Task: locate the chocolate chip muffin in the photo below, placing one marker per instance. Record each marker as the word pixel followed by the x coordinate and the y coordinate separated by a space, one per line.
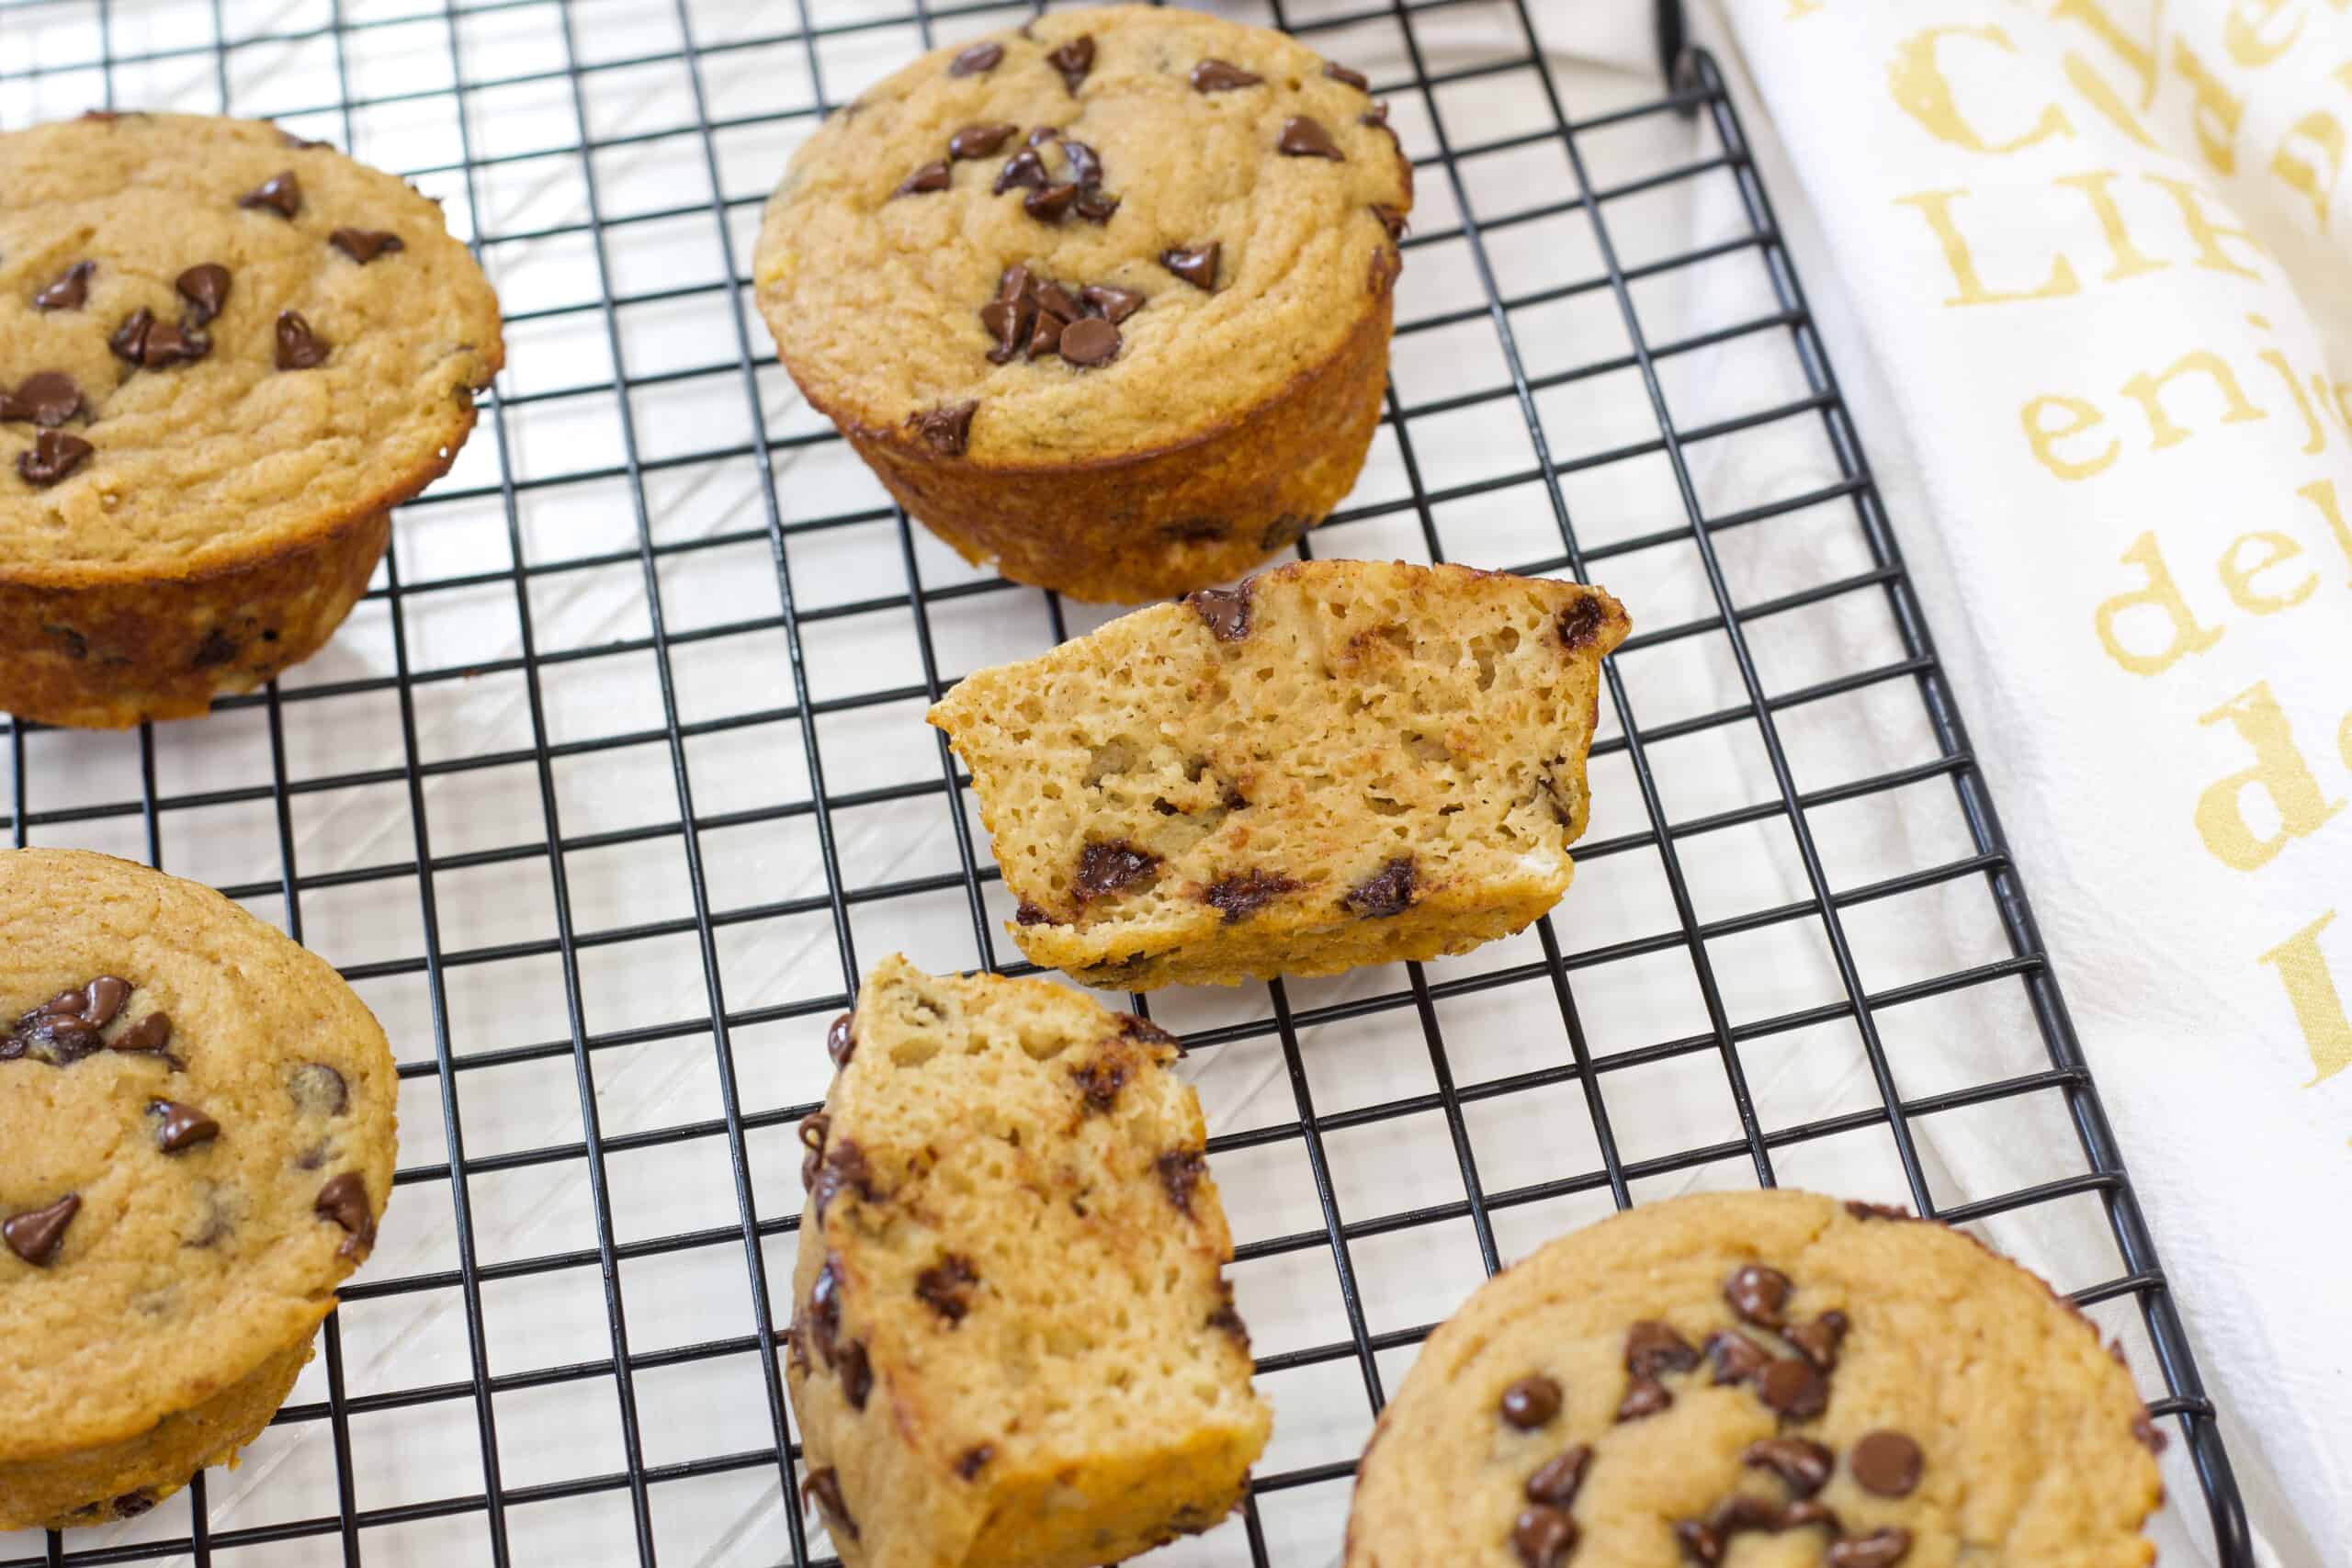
pixel 196 1117
pixel 1338 764
pixel 1105 299
pixel 1761 1378
pixel 225 354
pixel 1011 1342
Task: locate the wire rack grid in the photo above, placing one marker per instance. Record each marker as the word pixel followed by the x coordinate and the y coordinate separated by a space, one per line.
pixel 616 772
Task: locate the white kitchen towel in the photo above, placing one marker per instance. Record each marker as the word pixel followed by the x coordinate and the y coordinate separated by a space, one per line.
pixel 2102 252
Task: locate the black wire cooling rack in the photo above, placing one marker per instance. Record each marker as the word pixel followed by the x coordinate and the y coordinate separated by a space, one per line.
pixel 147 798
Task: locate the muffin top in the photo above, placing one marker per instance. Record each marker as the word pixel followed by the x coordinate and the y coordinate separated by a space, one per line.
pixel 1111 232
pixel 216 339
pixel 1761 1378
pixel 197 1120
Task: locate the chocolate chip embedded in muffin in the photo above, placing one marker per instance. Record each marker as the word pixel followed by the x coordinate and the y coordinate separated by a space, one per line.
pixel 1817 1341
pixel 299 347
pixel 1243 894
pixel 1560 1478
pixel 281 194
pixel 1221 76
pixel 1073 60
pixel 1541 1537
pixel 1305 138
pixel 1804 1465
pixel 1886 1463
pixel 1757 1294
pixel 946 430
pixel 69 290
pixel 1580 623
pixel 1644 1397
pixel 205 286
pixel 343 1200
pixel 974 1459
pixel 840 1043
pixel 1339 73
pixel 1225 611
pixel 1735 1357
pixel 945 1286
pixel 976 59
pixel 1099 1083
pixel 1882 1548
pixel 1106 868
pixel 1179 1174
pixel 1529 1402
pixel 181 1126
pixel 1792 1389
pixel 1196 265
pixel 1653 1348
pixel 1385 893
pixel 364 245
pixel 36 1234
pixel 317 1090
pixel 931 176
pixel 824 1486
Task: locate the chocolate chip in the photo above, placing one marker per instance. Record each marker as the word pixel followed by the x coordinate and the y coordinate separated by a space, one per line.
pixel 1698 1543
pixel 845 1168
pixel 857 1373
pixel 840 1044
pixel 69 290
pixel 1542 1536
pixel 1180 1173
pixel 1739 1513
pixel 1028 914
pixel 975 59
pixel 1736 1358
pixel 183 1127
pixel 1225 1318
pixel 1074 60
pixel 942 1286
pixel 1798 1515
pixel 930 178
pixel 1580 623
pixel 1196 265
pixel 1049 203
pixel 947 429
pixel 1024 168
pixel 1304 138
pixel 317 1090
pixel 1044 134
pixel 811 1134
pixel 1759 1294
pixel 825 1309
pixel 1862 1211
pixel 1007 322
pixel 2151 1437
pixel 1094 205
pixel 206 288
pixel 1388 891
pixel 1245 893
pixel 298 348
pixel 1390 219
pixel 979 140
pixel 1529 1402
pixel 1088 342
pixel 1355 79
pixel 1804 1465
pixel 281 193
pixel 1044 334
pixel 1100 1083
pixel 150 1034
pixel 1653 1349
pixel 1103 868
pixel 974 1459
pixel 1114 305
pixel 1143 1029
pixel 1882 1548
pixel 1225 611
pixel 1191 531
pixel 1643 1396
pixel 1885 1463
pixel 364 245
pixel 1084 165
pixel 129 339
pixel 1221 76
pixel 37 1234
pixel 1285 531
pixel 130 1505
pixel 343 1200
pixel 165 345
pixel 1794 1389
pixel 821 1486
pixel 1557 1482
pixel 1817 1341
pixel 46 397
pixel 52 456
pixel 58 1038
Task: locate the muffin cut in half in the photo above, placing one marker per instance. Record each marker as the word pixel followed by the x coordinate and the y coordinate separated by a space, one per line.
pixel 1012 1339
pixel 1338 764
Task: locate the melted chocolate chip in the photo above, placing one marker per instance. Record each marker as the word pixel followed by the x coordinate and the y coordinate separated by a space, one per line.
pixel 1225 611
pixel 1653 1348
pixel 205 286
pixel 69 290
pixel 149 1036
pixel 1355 79
pixel 1049 202
pixel 343 1200
pixel 1757 1294
pixel 1817 1341
pixel 975 59
pixel 822 1486
pixel 811 1132
pixel 946 430
pixel 1105 868
pixel 1196 265
pixel 1391 219
pixel 182 1127
pixel 1074 60
pixel 1804 1465
pixel 1735 1357
pixel 1543 1535
pixel 1114 305
pixel 1084 165
pixel 1388 891
pixel 317 1090
pixel 58 1038
pixel 1643 1396
pixel 1095 205
pixel 1580 623
pixel 944 1286
pixel 841 1044
pixel 1023 169
pixel 974 1459
pixel 1028 914
pixel 1225 1318
pixel 36 1234
pixel 1882 1548
pixel 216 648
pixel 1243 894
pixel 1794 1389
pixel 1557 1483
pixel 46 397
pixel 1088 342
pixel 1179 1172
pixel 281 194
pixel 1100 1083
pixel 1885 1463
pixel 857 1373
pixel 364 245
pixel 844 1169
pixel 1143 1029
pixel 1221 76
pixel 1698 1542
pixel 298 348
pixel 930 178
pixel 1304 138
pixel 51 456
pixel 130 1505
pixel 1529 1402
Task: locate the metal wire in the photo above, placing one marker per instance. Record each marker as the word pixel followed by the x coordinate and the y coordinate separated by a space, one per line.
pixel 1698 90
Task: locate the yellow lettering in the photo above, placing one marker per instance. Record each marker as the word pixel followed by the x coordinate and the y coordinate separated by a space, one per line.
pixel 2324 136
pixel 1801 8
pixel 2242 32
pixel 2140 57
pixel 2215 113
pixel 1935 205
pixel 2321 494
pixel 2129 260
pixel 2335 405
pixel 2208 234
pixel 2102 97
pixel 2148 390
pixel 2314 437
pixel 2238 575
pixel 2311 991
pixel 1922 90
pixel 2045 438
pixel 2161 594
pixel 2278 772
